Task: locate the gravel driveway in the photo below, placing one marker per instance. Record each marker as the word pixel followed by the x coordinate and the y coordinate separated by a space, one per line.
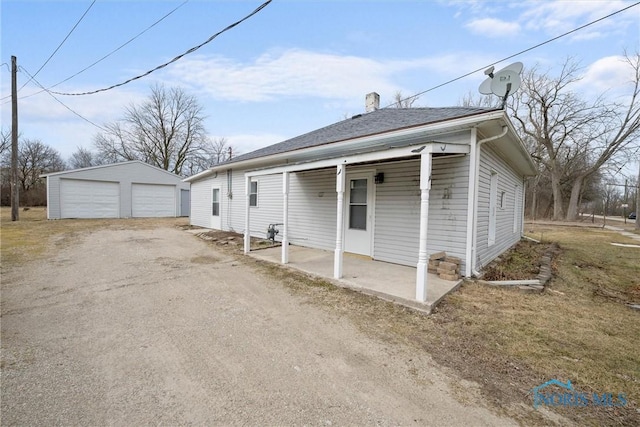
pixel 135 327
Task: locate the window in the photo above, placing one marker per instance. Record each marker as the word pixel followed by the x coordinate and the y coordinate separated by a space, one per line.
pixel 215 202
pixel 502 199
pixel 253 194
pixel 358 204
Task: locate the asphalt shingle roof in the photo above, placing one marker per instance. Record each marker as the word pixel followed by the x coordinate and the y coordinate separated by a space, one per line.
pixel 376 122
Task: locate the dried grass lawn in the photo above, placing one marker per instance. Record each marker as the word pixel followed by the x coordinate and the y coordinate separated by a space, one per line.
pixel 28 238
pixel 579 329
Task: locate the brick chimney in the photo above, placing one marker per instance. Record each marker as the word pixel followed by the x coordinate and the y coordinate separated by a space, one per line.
pixel 371 102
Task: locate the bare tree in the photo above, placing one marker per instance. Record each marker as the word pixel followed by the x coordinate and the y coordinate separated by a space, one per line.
pixel 84 158
pixel 476 100
pixel 616 129
pixel 34 159
pixel 572 139
pixel 166 131
pixel 638 198
pixel 399 101
pixel 5 141
pixel 551 119
pixel 213 152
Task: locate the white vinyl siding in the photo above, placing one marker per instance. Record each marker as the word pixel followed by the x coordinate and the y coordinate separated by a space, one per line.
pixel 201 202
pixel 506 232
pixel 493 207
pixel 312 208
pixel 269 208
pixel 233 218
pixel 152 200
pixel 397 216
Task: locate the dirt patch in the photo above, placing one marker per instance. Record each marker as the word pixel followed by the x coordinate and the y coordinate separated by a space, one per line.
pixel 520 262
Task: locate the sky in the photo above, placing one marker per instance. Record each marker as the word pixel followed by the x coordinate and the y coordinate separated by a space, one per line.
pixel 293 67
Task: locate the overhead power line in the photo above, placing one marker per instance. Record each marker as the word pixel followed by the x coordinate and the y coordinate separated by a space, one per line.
pixel 193 49
pixel 515 54
pixel 113 51
pixel 60 45
pixel 32 77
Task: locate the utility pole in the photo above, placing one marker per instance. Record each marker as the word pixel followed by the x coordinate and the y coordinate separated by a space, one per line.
pixel 15 195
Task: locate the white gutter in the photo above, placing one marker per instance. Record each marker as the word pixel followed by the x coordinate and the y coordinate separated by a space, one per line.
pixel 347 144
pixel 474 161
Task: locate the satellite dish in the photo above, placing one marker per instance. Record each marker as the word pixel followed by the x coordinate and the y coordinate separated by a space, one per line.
pixel 502 83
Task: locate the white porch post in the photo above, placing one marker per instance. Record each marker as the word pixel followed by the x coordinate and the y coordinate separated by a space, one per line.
pixel 247 223
pixel 425 186
pixel 337 259
pixel 285 217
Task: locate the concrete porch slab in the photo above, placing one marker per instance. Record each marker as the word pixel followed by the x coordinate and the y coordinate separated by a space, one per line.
pixel 391 282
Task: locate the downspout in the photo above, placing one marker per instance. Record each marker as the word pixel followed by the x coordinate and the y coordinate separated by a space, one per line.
pixel 473 176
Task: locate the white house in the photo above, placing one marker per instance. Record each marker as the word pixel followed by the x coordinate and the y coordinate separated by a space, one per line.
pixel 120 190
pixel 392 184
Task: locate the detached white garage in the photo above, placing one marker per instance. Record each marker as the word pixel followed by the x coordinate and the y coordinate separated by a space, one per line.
pixel 120 190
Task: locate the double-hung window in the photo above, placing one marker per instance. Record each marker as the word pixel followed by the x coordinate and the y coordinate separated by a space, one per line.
pixel 253 194
pixel 215 202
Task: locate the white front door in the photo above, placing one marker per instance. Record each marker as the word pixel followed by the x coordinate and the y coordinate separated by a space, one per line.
pixel 359 213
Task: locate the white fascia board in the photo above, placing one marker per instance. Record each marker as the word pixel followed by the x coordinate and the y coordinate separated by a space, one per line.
pixel 388 154
pixel 44 175
pixel 200 175
pixel 522 148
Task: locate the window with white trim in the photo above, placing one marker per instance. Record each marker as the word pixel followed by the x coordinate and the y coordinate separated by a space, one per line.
pixel 253 194
pixel 215 202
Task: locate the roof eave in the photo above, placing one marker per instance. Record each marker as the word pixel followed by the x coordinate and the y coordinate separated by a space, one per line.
pixel 466 121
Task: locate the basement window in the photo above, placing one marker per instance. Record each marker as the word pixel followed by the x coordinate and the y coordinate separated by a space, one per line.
pixel 253 194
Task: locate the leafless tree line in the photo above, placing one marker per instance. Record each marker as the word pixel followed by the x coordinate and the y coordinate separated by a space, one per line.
pixel 34 159
pixel 576 143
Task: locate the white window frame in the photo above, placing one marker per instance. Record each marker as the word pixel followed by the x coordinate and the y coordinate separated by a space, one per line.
pixel 253 195
pixel 218 201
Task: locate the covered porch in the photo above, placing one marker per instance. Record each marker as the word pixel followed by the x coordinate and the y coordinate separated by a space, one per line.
pixel 417 288
pixel 391 282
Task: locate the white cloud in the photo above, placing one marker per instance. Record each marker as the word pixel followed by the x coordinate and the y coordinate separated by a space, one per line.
pixel 492 27
pixel 556 17
pixel 553 17
pixel 301 73
pixel 611 74
pixel 42 117
pixel 294 73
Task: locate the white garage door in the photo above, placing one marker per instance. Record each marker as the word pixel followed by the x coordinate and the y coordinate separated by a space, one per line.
pixel 89 199
pixel 152 200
